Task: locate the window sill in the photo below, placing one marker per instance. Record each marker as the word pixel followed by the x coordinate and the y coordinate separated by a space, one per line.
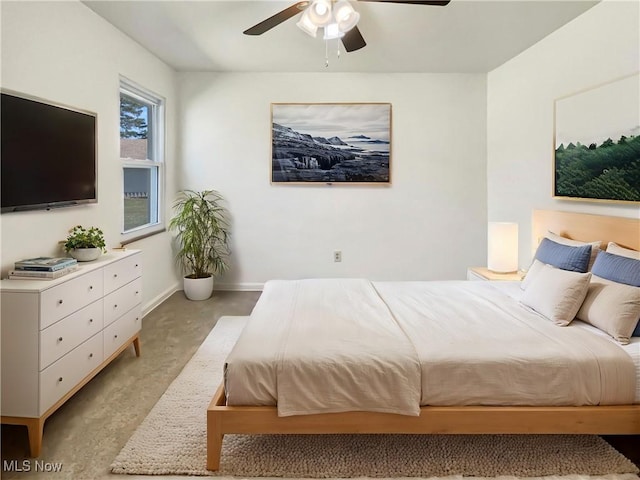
pixel 128 238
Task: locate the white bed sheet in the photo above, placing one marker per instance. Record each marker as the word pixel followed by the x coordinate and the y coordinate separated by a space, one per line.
pixel 262 373
pixel 633 348
pixel 478 346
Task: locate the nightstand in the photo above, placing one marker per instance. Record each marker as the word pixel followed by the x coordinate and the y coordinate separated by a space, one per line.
pixel 484 274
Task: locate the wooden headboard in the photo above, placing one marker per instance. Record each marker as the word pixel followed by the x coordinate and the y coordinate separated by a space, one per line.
pixel 587 228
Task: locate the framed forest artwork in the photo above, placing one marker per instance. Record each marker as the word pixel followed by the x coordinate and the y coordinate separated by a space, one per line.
pixel 597 143
pixel 331 143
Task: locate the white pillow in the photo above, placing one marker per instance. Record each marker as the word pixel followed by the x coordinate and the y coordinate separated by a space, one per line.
pixel 612 307
pixel 536 267
pixel 557 294
pixel 595 246
pixel 622 251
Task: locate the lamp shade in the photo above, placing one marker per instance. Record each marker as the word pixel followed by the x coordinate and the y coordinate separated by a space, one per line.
pixel 345 15
pixel 502 243
pixel 306 25
pixel 320 12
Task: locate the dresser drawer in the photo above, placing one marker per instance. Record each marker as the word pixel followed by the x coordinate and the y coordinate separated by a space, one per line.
pixel 63 336
pixel 62 376
pixel 122 330
pixel 122 300
pixel 122 272
pixel 63 299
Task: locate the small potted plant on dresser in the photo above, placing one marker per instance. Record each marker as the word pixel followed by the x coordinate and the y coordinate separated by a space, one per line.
pixel 85 244
pixel 202 228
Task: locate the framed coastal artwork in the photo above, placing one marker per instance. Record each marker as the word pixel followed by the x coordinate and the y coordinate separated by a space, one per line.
pixel 597 143
pixel 331 143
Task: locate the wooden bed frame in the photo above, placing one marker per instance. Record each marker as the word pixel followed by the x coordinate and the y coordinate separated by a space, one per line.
pixel 618 419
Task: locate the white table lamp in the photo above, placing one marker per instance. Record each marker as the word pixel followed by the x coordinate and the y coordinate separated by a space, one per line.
pixel 502 251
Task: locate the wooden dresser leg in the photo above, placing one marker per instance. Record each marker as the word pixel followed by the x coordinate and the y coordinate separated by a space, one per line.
pixel 136 346
pixel 35 430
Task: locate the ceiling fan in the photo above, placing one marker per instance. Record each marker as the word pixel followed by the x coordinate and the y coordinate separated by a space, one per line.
pixel 338 18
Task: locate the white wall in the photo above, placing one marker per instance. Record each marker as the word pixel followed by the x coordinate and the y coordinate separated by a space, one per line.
pixel 601 45
pixel 63 52
pixel 465 149
pixel 429 224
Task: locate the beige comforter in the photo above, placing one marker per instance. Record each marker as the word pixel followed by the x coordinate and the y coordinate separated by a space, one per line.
pixel 320 346
pixel 478 346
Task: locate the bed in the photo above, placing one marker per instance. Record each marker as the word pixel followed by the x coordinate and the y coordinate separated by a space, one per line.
pixel 413 400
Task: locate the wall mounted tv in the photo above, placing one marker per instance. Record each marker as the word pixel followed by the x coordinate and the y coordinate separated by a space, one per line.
pixel 48 154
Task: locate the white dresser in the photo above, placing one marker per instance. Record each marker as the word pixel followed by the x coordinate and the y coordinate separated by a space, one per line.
pixel 58 334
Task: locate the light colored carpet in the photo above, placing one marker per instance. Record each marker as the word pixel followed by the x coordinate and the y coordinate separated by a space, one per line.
pixel 172 441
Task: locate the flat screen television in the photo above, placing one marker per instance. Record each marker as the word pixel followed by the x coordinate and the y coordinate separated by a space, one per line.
pixel 48 154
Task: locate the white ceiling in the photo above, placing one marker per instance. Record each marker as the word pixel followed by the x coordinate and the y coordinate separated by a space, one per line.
pixel 466 36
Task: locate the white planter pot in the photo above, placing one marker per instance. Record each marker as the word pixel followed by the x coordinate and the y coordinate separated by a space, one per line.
pixel 85 254
pixel 198 288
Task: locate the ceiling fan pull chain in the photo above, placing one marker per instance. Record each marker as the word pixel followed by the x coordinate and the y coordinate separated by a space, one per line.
pixel 326 53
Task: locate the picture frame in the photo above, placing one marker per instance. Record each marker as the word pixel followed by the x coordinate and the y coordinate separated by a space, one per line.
pixel 331 143
pixel 597 143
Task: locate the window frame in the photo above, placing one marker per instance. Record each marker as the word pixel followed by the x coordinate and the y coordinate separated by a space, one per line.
pixel 156 166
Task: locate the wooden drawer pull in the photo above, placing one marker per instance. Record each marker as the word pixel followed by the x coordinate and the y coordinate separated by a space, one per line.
pixel 59 339
pixel 60 379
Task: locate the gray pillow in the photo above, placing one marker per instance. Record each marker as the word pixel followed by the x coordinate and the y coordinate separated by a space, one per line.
pixel 617 268
pixel 595 246
pixel 575 259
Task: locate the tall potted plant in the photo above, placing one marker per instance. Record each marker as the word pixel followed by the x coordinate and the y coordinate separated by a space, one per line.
pixel 201 224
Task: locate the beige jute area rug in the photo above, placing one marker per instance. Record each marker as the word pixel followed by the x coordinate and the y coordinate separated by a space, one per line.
pixel 172 441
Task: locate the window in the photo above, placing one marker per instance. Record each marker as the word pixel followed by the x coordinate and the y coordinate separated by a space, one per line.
pixel 142 158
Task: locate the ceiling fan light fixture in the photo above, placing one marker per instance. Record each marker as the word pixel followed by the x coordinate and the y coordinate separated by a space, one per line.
pixel 306 25
pixel 320 12
pixel 345 15
pixel 332 31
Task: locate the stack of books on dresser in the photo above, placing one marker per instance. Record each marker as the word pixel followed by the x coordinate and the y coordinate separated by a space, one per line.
pixel 43 268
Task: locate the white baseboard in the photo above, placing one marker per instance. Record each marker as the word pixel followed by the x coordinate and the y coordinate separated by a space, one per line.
pixel 146 309
pixel 239 287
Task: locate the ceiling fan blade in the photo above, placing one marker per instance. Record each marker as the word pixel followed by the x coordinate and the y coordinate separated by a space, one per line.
pixel 276 19
pixel 353 40
pixel 437 3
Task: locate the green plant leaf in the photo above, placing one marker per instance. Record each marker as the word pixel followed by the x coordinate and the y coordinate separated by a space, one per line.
pixel 202 227
pixel 81 237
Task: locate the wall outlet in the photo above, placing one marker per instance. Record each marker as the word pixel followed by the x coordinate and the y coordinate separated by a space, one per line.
pixel 337 256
